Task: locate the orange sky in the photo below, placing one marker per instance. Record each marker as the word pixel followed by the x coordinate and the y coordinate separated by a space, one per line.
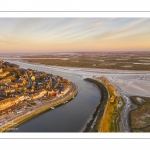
pixel 74 34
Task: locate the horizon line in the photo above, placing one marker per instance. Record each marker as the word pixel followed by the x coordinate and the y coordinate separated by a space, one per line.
pixel 127 51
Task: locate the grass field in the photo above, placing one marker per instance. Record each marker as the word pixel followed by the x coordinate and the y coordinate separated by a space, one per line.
pixel 114 105
pixel 123 61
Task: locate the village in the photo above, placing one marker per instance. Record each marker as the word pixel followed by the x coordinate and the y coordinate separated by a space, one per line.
pixel 22 89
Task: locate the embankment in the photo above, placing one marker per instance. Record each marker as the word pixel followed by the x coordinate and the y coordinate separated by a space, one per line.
pixel 91 126
pixel 106 117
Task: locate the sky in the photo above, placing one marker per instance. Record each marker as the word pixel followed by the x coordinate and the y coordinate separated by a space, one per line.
pixel 74 34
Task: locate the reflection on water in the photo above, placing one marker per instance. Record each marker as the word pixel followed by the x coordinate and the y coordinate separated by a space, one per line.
pixel 70 117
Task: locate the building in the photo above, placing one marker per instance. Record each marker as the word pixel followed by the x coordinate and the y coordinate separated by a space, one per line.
pixel 3 74
pixel 64 82
pixel 65 90
pixel 11 90
pixel 13 85
pixel 38 95
pixel 1 62
pixel 19 82
pixel 6 80
pixel 6 103
pixel 52 92
pixel 1 70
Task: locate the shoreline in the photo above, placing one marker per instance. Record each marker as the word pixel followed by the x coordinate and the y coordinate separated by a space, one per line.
pixel 98 115
pixel 26 117
pixel 84 65
pixel 99 110
pixel 127 86
pixel 85 68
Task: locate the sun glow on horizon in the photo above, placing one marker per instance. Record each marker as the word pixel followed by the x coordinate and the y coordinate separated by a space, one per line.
pixel 74 34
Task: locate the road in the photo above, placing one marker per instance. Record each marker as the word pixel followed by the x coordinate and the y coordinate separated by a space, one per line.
pixel 29 80
pixel 9 119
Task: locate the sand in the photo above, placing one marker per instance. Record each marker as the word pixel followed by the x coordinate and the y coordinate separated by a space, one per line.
pixel 130 82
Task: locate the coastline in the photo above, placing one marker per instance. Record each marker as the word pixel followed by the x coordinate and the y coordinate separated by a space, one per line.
pixel 37 112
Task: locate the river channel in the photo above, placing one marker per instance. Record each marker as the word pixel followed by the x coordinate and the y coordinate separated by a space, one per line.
pixel 70 117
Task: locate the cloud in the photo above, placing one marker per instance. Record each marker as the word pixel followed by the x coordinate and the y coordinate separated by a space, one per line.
pixel 46 32
pixel 79 28
pixel 128 29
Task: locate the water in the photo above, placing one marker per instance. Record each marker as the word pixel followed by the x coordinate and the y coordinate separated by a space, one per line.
pixel 70 117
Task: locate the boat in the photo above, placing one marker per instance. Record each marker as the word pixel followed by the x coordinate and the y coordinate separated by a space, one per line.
pixel 52 107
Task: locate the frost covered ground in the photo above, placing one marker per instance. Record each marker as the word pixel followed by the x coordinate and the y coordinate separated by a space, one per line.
pixel 130 82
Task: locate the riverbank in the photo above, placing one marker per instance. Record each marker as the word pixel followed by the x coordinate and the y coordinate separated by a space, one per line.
pixel 132 82
pixel 94 60
pixel 129 83
pixel 37 112
pixel 91 126
pixel 106 116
